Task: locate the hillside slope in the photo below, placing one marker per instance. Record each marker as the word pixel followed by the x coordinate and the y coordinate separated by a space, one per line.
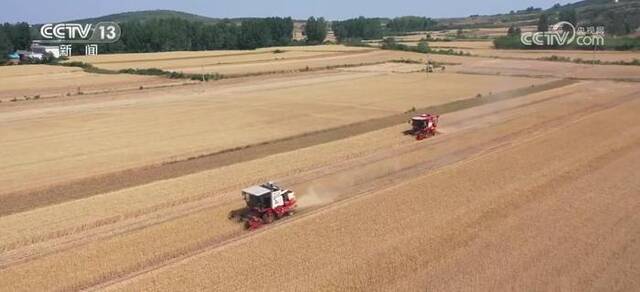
pixel 146 15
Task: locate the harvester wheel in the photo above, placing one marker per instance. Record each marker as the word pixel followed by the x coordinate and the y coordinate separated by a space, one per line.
pixel 267 218
pixel 279 214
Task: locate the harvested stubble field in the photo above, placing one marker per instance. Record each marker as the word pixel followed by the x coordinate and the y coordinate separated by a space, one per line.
pixel 48 81
pixel 136 57
pixel 480 33
pixel 520 193
pixel 521 218
pixel 500 156
pixel 247 63
pixel 459 45
pixel 585 55
pixel 182 61
pixel 533 68
pixel 486 49
pixel 120 131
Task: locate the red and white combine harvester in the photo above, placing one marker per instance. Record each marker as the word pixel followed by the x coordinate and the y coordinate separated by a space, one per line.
pixel 265 203
pixel 424 126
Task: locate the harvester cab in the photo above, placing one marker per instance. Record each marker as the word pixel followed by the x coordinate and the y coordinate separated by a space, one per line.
pixel 424 126
pixel 267 196
pixel 264 204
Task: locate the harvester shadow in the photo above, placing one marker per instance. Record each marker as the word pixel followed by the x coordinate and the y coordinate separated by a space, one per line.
pixel 238 214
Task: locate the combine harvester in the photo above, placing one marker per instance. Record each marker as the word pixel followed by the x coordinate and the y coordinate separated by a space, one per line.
pixel 265 204
pixel 423 126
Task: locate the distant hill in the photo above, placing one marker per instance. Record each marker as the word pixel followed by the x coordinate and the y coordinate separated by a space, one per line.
pixel 146 15
pixel 605 12
pixel 589 6
pixel 591 3
pixel 161 14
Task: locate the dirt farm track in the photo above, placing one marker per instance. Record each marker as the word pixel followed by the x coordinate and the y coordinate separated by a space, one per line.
pixel 531 184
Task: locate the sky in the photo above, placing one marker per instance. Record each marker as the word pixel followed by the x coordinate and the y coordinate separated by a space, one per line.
pixel 46 11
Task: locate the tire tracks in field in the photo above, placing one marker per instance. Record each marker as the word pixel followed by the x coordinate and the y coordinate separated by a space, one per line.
pixel 21 201
pixel 56 241
pixel 387 180
pixel 60 241
pixel 222 56
pixel 358 187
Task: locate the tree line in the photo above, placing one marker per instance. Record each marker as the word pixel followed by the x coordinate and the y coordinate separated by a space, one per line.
pixel 376 28
pixel 14 37
pixel 175 34
pixel 410 23
pixel 616 23
pixel 172 34
pixel 315 30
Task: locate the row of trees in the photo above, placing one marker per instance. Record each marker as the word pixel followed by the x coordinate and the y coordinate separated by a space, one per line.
pixel 568 15
pixel 173 34
pixel 374 28
pixel 410 23
pixel 5 45
pixel 315 30
pixel 14 37
pixel 358 28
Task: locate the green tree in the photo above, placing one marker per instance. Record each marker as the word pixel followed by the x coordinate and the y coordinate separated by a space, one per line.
pixel 357 28
pixel 19 35
pixel 273 31
pixel 514 31
pixel 508 42
pixel 410 23
pixel 5 45
pixel 569 15
pixel 315 30
pixel 389 43
pixel 254 34
pixel 543 22
pixel 423 47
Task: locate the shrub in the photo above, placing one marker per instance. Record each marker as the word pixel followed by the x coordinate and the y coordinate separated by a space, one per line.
pixel 423 46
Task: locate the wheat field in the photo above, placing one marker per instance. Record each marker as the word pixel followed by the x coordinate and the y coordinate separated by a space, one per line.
pixel 531 183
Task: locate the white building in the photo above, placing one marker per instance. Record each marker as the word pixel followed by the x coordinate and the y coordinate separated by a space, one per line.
pixel 38 48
